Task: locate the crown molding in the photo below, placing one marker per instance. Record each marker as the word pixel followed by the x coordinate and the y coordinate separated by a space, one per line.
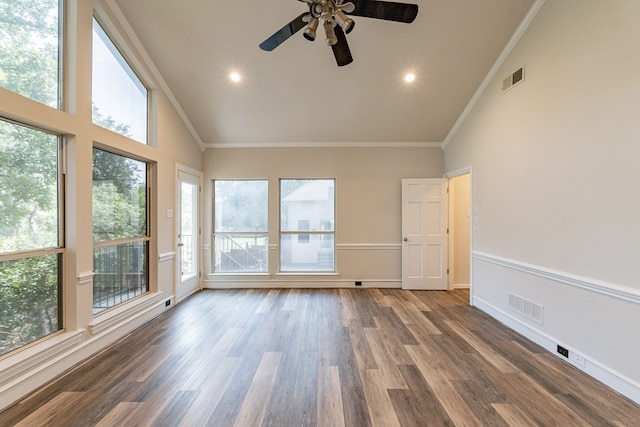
pixel 389 144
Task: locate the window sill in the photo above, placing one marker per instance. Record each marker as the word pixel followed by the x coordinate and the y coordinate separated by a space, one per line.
pixel 125 312
pixel 30 357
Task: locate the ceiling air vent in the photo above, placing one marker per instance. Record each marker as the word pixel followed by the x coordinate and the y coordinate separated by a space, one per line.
pixel 515 78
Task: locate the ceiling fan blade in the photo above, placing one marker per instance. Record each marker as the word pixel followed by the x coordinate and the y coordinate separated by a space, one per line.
pixel 284 33
pixel 390 11
pixel 341 49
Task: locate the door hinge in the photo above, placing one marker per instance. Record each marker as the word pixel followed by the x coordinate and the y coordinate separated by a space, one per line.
pixel 447 231
pixel 447 190
pixel 447 271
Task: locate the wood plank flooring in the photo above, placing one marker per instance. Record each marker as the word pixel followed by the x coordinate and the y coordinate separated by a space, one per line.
pixel 349 357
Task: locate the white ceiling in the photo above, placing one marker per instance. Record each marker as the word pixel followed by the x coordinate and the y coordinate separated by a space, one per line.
pixel 296 94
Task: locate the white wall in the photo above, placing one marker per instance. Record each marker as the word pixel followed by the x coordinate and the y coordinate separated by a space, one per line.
pixel 555 163
pixel 368 206
pixel 23 371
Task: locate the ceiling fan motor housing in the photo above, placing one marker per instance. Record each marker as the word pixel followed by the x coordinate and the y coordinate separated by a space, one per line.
pixel 318 8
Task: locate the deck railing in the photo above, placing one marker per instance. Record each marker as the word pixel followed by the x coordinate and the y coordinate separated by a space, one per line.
pixel 120 274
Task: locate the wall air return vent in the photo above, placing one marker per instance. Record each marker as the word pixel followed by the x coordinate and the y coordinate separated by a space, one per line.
pixel 526 308
pixel 513 79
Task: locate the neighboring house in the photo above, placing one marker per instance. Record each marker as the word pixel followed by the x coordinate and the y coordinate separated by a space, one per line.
pixel 310 208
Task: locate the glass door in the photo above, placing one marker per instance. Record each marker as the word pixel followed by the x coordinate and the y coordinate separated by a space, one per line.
pixel 188 233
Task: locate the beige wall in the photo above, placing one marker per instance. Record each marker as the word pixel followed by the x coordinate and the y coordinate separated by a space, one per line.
pixel 368 193
pixel 555 163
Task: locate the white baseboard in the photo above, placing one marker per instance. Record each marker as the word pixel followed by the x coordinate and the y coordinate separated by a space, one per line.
pixel 597 370
pixel 294 281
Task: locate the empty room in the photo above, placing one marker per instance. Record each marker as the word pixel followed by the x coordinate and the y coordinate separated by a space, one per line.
pixel 319 212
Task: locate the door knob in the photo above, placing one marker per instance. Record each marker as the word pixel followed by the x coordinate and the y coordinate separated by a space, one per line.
pixel 180 244
pixel 405 239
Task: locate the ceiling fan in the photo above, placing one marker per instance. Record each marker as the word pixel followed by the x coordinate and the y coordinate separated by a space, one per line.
pixel 332 14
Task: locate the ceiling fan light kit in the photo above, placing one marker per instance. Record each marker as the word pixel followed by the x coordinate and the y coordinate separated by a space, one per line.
pixel 344 21
pixel 331 38
pixel 310 31
pixel 333 16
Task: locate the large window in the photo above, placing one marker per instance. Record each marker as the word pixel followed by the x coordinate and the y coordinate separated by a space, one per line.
pixel 118 95
pixel 307 229
pixel 30 235
pixel 120 229
pixel 240 226
pixel 29 49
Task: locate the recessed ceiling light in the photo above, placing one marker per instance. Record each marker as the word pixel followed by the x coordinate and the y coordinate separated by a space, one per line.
pixel 409 77
pixel 235 77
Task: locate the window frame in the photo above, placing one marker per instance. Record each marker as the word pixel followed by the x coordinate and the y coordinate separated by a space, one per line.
pixel 309 233
pixel 130 66
pixel 59 250
pixel 262 234
pixel 60 102
pixel 118 242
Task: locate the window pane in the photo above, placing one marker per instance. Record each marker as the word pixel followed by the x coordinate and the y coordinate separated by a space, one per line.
pixel 119 97
pixel 30 300
pixel 307 205
pixel 241 206
pixel 119 197
pixel 241 253
pixel 29 49
pixel 240 226
pixel 120 274
pixel 119 212
pixel 28 188
pixel 188 230
pixel 308 202
pixel 314 254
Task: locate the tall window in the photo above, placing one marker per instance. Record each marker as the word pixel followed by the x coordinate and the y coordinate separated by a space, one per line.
pixel 240 226
pixel 30 235
pixel 29 49
pixel 120 229
pixel 307 230
pixel 118 95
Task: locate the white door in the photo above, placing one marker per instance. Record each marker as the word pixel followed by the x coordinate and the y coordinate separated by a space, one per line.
pixel 188 234
pixel 424 234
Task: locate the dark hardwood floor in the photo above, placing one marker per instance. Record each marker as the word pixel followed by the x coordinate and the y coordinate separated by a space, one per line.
pixel 324 358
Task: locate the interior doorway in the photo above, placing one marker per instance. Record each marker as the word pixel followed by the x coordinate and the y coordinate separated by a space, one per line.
pixel 460 231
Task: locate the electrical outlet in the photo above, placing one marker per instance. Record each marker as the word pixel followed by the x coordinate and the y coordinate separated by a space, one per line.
pixel 167 303
pixel 563 351
pixel 358 283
